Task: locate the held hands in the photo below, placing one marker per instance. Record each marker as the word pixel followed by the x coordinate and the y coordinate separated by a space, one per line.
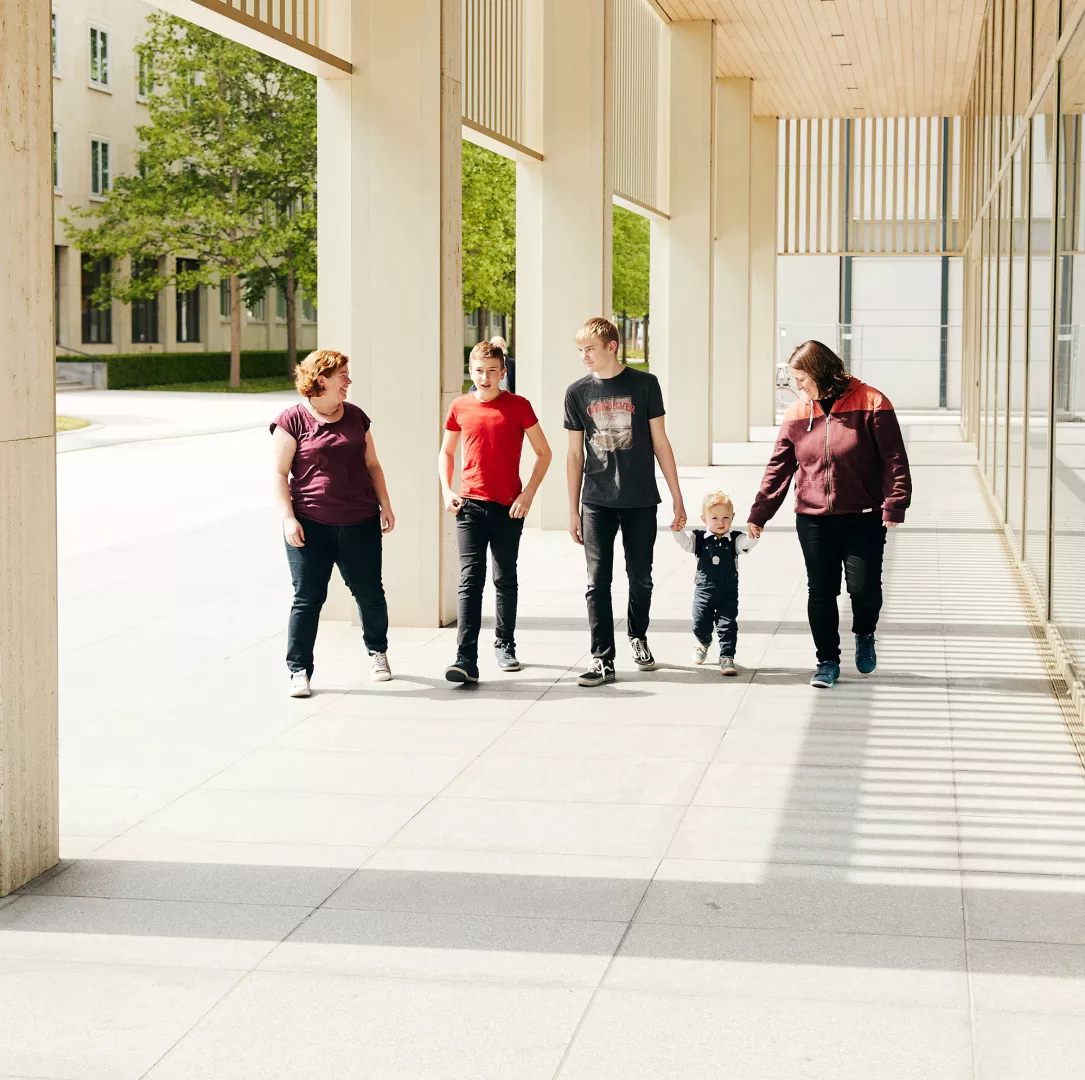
pixel 293 532
pixel 753 531
pixel 521 505
pixel 893 524
pixel 679 521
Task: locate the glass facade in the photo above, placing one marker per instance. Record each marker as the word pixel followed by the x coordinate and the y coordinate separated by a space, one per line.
pixel 1023 400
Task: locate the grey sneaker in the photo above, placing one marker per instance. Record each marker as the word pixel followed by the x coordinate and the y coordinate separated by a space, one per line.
pixel 826 675
pixel 381 671
pixel 700 651
pixel 642 655
pixel 727 666
pixel 299 684
pixel 506 656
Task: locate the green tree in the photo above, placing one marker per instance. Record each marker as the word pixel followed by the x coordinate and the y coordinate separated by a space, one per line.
pixel 629 278
pixel 226 176
pixel 489 231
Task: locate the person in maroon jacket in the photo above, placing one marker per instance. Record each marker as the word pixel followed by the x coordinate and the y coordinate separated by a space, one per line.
pixel 842 443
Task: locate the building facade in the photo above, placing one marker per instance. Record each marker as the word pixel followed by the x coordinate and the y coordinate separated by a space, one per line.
pixel 99 102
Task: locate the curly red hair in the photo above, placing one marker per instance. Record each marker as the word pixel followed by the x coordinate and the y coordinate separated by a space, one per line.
pixel 317 364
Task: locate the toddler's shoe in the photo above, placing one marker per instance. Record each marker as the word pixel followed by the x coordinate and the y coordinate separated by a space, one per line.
pixel 700 651
pixel 727 666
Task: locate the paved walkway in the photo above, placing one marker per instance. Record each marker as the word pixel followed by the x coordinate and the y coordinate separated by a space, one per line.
pixel 677 876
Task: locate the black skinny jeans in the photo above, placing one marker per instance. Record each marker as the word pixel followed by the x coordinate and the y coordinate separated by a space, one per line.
pixel 854 543
pixel 356 550
pixel 600 525
pixel 481 525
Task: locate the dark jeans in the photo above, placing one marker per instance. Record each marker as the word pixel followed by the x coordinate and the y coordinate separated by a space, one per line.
pixel 600 525
pixel 356 550
pixel 481 525
pixel 715 607
pixel 856 544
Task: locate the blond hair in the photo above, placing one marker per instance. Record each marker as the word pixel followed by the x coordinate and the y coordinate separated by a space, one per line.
pixel 317 364
pixel 717 498
pixel 598 329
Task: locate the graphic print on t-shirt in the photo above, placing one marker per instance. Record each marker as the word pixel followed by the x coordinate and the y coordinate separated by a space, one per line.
pixel 613 419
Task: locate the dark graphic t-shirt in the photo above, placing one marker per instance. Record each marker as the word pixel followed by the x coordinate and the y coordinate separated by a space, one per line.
pixel 619 464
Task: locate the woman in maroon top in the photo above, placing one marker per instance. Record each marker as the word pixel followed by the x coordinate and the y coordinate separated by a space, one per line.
pixel 331 491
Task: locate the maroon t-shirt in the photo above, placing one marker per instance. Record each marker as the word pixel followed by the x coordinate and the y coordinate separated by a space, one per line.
pixel 329 480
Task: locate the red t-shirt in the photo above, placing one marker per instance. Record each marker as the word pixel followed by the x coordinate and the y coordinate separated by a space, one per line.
pixel 493 436
pixel 329 479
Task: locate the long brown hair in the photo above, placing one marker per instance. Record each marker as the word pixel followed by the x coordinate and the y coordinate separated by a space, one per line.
pixel 822 365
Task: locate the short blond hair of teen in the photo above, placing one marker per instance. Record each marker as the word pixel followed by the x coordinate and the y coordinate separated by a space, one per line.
pixel 717 498
pixel 598 329
pixel 317 364
pixel 486 350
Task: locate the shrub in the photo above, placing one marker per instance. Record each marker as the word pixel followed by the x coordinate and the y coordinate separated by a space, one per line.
pixel 127 370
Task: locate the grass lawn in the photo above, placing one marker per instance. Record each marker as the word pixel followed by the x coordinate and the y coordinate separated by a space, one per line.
pixel 71 423
pixel 264 385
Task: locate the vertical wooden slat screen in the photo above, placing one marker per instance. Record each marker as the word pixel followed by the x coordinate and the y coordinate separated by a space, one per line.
pixel 493 68
pixel 283 16
pixel 891 176
pixel 637 43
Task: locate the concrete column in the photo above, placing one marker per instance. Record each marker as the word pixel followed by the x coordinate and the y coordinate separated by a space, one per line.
pixel 762 336
pixel 745 265
pixel 389 242
pixel 730 378
pixel 682 263
pixel 29 838
pixel 563 216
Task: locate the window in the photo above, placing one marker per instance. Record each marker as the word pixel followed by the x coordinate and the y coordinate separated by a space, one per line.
pixel 280 302
pixel 56 161
pixel 308 310
pixel 97 321
pixel 224 298
pixel 56 55
pixel 145 312
pixel 100 181
pixel 99 57
pixel 257 309
pixel 188 305
pixel 145 78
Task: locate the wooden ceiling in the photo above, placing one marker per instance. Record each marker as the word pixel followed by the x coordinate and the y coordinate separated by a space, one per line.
pixel 844 58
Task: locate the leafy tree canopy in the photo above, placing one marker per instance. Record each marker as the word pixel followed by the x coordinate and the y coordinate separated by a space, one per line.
pixel 489 230
pixel 631 262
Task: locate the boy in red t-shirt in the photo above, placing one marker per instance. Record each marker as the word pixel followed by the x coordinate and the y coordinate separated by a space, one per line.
pixel 492 503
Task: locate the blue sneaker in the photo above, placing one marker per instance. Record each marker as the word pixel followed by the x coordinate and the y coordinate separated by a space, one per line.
pixel 462 671
pixel 826 675
pixel 866 660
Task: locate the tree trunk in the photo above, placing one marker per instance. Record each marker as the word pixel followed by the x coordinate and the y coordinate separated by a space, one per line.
pixel 512 332
pixel 625 327
pixel 235 330
pixel 483 322
pixel 646 337
pixel 291 321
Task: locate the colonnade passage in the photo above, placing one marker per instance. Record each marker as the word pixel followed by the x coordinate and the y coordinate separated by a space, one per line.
pixel 674 875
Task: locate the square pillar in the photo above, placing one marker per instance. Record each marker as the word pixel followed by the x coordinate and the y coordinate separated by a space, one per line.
pixel 29 822
pixel 563 215
pixel 682 262
pixel 389 249
pixel 743 368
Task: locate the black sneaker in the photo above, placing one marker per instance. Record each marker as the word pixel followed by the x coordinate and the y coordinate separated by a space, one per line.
pixel 506 656
pixel 601 671
pixel 462 671
pixel 642 655
pixel 866 659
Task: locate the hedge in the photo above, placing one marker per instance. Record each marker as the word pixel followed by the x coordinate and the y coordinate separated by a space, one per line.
pixel 126 370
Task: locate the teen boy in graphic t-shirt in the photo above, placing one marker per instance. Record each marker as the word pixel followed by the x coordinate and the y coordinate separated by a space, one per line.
pixel 492 503
pixel 614 416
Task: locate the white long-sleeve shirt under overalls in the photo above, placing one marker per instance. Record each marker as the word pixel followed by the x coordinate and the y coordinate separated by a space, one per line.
pixel 715 592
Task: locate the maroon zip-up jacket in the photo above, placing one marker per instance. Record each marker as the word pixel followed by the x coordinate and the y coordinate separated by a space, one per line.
pixel 850 461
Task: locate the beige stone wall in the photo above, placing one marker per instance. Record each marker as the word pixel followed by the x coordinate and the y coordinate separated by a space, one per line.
pixel 82 110
pixel 28 579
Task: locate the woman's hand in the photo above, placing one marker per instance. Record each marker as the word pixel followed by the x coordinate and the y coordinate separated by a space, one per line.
pixel 679 521
pixel 293 532
pixel 893 524
pixel 521 505
pixel 753 531
pixel 453 503
pixel 388 520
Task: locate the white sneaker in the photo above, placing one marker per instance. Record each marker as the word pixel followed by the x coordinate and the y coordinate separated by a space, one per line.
pixel 700 652
pixel 381 671
pixel 299 684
